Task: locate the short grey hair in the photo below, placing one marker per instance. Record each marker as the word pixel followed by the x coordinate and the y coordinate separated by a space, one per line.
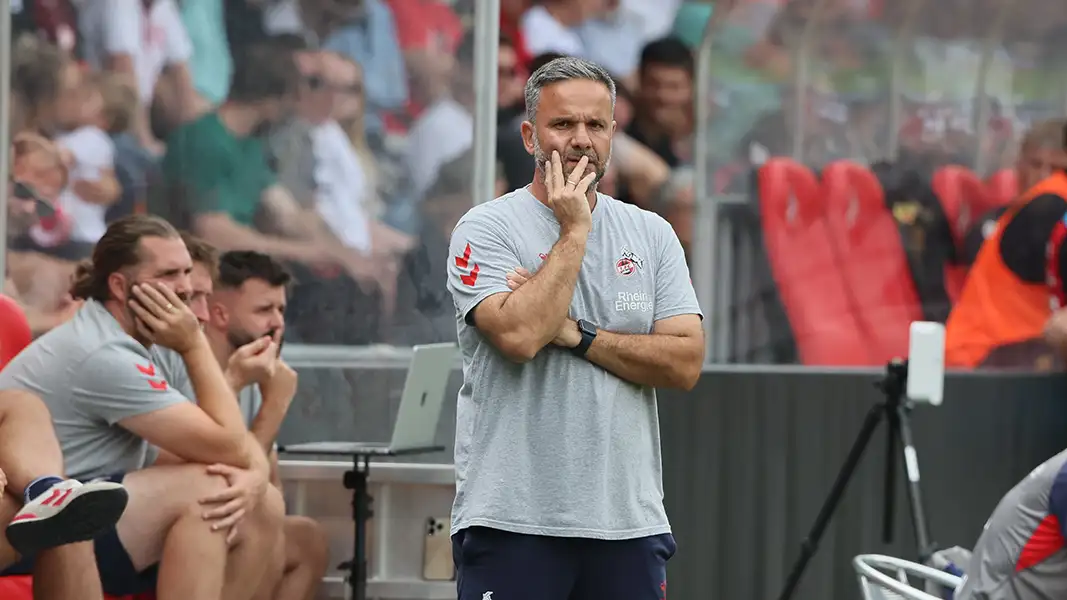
pixel 564 69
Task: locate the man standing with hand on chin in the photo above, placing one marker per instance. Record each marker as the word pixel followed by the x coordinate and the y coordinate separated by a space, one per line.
pixel 559 491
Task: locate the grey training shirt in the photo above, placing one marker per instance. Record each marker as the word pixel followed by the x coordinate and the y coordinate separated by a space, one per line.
pixel 559 446
pixel 91 375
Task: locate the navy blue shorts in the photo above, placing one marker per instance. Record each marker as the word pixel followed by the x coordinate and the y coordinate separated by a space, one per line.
pixel 117 574
pixel 492 564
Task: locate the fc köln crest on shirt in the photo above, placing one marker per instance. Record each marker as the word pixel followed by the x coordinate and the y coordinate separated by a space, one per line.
pixel 628 263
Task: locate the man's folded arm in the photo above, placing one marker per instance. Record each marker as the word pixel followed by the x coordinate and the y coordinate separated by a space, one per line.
pixel 518 323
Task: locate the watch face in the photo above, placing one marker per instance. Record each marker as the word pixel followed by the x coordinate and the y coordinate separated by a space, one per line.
pixel 586 327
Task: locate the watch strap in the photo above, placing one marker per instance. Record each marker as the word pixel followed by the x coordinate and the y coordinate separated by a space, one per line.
pixel 588 332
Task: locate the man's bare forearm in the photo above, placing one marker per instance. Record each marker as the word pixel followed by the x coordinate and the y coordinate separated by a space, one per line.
pixel 539 307
pixel 268 421
pixel 258 460
pixel 658 360
pixel 212 388
pixel 225 234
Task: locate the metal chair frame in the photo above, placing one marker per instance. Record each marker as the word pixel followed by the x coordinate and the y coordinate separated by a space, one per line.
pixel 871 569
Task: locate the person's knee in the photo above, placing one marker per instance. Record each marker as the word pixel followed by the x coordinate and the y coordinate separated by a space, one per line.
pixel 307 539
pixel 200 485
pixel 175 490
pixel 269 514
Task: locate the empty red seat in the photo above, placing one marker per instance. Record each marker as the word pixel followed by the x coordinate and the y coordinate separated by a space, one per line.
pixel 1003 187
pixel 15 331
pixel 867 243
pixel 20 587
pixel 802 263
pixel 964 198
pixel 16 587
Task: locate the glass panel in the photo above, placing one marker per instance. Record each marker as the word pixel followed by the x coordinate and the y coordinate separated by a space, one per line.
pixel 335 136
pixel 855 151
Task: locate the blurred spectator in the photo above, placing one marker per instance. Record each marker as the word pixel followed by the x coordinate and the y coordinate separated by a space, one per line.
pixel 511 111
pixel 1005 303
pixel 216 179
pixel 1040 154
pixel 210 63
pixel 37 282
pixel 38 175
pixel 690 22
pixel 424 309
pixel 612 38
pixel 146 40
pixel 363 30
pixel 925 233
pixel 93 186
pixel 552 25
pixel 218 184
pixel 45 87
pixel 319 162
pixel 426 25
pixel 511 12
pixel 245 22
pixel 655 16
pixel 51 20
pixel 664 118
pixel 445 128
pixel 134 166
pixel 349 118
pixel 369 37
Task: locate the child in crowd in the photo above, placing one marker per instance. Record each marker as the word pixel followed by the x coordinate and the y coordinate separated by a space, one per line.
pixel 92 187
pixel 134 166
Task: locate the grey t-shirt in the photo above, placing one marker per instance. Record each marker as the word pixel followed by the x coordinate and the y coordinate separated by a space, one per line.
pixel 91 375
pixel 559 446
pixel 173 367
pixel 1020 554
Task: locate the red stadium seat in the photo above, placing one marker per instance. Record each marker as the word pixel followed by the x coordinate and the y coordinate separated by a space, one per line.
pixel 15 331
pixel 963 196
pixel 16 587
pixel 802 262
pixel 1002 187
pixel 20 587
pixel 867 242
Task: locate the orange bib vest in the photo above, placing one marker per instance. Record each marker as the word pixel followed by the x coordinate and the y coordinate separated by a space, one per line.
pixel 997 308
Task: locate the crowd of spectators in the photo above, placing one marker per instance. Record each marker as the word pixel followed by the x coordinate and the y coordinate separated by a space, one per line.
pixel 335 135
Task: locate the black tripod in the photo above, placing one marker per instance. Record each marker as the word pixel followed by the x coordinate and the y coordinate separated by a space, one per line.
pixel 895 409
pixel 356 480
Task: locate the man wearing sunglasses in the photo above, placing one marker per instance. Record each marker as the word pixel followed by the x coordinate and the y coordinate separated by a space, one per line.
pixel 38 283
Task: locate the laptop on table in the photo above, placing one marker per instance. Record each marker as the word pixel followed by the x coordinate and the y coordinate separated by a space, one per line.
pixel 415 430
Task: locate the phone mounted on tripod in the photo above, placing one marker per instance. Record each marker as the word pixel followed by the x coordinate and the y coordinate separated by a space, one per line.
pixel 905 382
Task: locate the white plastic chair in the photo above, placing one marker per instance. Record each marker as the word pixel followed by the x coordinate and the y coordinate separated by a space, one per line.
pixel 877 583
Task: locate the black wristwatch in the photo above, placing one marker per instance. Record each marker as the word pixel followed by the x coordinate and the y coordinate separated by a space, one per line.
pixel 588 331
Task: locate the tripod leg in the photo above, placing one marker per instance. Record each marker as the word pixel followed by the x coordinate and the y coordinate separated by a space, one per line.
pixel 911 468
pixel 361 513
pixel 811 543
pixel 889 487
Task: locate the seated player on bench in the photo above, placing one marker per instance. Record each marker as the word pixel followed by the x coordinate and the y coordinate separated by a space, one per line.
pixel 109 403
pixel 241 299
